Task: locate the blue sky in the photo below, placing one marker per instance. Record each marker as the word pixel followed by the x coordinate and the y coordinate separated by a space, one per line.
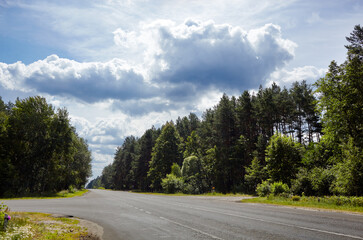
pixel 121 66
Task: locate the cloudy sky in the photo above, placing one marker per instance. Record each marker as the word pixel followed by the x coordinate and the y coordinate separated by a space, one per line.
pixel 121 66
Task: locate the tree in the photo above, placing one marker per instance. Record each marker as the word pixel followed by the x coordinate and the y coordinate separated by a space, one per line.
pixel 355 48
pixel 165 152
pixel 192 145
pixel 124 164
pixel 194 175
pixel 40 149
pixel 255 174
pixel 283 158
pixel 107 176
pixel 341 94
pixel 146 144
pixel 30 153
pixel 225 127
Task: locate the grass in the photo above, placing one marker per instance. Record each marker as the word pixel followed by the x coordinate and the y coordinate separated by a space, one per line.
pixel 204 194
pixel 41 226
pixel 327 203
pixel 61 194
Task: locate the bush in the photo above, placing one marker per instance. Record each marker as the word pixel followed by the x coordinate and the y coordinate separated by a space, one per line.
pixel 295 198
pixel 72 189
pixel 278 188
pixel 172 184
pixel 3 208
pixel 263 189
pixel 314 182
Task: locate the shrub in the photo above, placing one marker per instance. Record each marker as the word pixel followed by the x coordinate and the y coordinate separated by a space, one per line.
pixel 3 208
pixel 263 189
pixel 172 184
pixel 72 189
pixel 295 198
pixel 278 188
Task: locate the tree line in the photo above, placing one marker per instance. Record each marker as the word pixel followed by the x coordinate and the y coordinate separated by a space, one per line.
pixel 306 139
pixel 40 151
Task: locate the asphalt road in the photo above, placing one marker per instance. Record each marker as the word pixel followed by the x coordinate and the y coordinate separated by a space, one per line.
pixel 126 215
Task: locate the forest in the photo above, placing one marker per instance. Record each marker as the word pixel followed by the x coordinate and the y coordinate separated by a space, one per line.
pixel 40 151
pixel 305 140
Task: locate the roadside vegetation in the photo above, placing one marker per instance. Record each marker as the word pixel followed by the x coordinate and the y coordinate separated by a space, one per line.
pixel 339 203
pixel 61 194
pixel 305 141
pixel 25 225
pixel 40 151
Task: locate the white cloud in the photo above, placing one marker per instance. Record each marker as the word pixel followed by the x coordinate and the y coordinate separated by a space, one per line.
pixel 206 54
pixel 182 63
pixel 284 77
pixel 90 81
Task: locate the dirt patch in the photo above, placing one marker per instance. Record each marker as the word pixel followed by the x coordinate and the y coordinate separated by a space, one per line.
pixel 94 231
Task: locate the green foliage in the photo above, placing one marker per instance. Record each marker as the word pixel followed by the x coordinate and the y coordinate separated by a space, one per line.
pixel 122 175
pixel 192 145
pixel 172 184
pixel 3 209
pixel 40 151
pixel 256 173
pixel 175 170
pixel 278 188
pixel 194 175
pixel 341 94
pixel 349 173
pixel 283 158
pixel 263 189
pixel 165 152
pixel 295 198
pixel 344 203
pixel 316 181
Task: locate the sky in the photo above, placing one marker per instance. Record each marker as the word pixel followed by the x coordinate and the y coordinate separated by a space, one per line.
pixel 123 66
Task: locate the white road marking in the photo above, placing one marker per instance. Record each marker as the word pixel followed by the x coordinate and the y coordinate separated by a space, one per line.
pixel 194 229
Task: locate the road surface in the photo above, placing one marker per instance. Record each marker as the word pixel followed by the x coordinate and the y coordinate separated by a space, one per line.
pixel 125 215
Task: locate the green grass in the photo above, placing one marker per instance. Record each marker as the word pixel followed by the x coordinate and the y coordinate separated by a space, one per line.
pixel 204 194
pixel 307 202
pixel 61 194
pixel 42 226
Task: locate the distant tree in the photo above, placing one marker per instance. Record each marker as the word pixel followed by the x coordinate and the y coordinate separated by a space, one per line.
pixel 107 176
pixel 146 144
pixel 165 152
pixel 125 159
pixel 94 183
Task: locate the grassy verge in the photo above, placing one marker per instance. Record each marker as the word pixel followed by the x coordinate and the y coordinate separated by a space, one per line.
pixel 61 194
pixel 328 203
pixel 204 194
pixel 41 226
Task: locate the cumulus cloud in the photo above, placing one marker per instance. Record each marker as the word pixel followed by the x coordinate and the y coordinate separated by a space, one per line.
pixel 182 63
pixel 90 81
pixel 224 56
pixel 285 77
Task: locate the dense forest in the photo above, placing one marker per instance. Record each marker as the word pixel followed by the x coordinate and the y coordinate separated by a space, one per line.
pixel 306 139
pixel 40 152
